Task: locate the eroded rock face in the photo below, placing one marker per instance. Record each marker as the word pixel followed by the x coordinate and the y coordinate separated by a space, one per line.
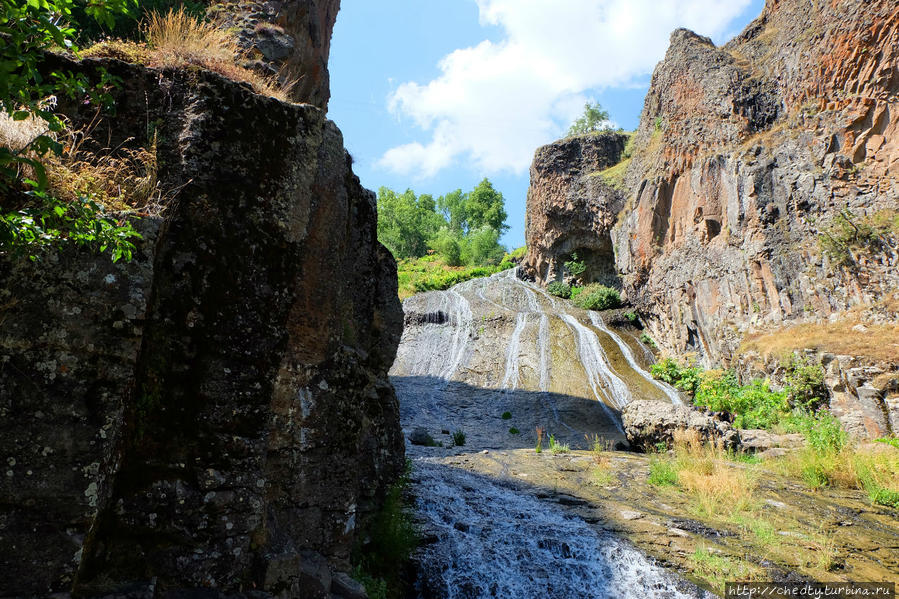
pixel 290 39
pixel 215 413
pixel 649 424
pixel 744 154
pixel 571 208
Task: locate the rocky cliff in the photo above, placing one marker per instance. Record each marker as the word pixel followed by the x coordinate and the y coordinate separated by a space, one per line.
pixel 571 208
pixel 216 413
pixel 289 39
pixel 763 185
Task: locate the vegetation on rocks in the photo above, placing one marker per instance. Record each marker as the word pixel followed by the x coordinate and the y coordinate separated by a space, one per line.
pixel 432 273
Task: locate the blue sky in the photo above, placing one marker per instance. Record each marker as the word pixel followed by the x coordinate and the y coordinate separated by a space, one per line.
pixel 435 95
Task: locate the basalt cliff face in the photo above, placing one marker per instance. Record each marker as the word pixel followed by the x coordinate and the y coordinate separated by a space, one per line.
pixel 571 208
pixel 216 413
pixel 747 156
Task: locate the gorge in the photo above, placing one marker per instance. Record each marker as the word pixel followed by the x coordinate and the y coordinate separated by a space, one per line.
pixel 227 413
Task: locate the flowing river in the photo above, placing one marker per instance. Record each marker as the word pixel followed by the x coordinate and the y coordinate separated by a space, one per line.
pixel 497 359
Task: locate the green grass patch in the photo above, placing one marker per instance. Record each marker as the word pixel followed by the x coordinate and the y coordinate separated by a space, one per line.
pixel 662 472
pixel 431 273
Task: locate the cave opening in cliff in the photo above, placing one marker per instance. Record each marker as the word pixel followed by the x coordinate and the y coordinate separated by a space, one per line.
pixel 598 259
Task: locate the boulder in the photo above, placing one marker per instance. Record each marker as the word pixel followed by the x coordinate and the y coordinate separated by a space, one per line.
pixel 649 423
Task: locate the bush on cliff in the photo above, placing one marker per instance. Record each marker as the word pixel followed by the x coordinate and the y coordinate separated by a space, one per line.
pixel 597 297
pixel 753 405
pixel 559 289
pixel 35 212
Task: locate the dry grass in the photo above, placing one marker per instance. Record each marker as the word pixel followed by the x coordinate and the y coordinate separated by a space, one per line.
pixel 124 178
pixel 16 135
pixel 614 175
pixel 704 471
pixel 878 341
pixel 178 40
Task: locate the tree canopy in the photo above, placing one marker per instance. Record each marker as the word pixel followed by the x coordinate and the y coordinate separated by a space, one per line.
pixel 593 119
pixel 463 227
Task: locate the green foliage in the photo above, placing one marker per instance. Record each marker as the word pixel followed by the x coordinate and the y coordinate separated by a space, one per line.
pixel 485 208
pixel 390 540
pixel 754 405
pixel 556 448
pixel 559 289
pixel 821 429
pixel 462 228
pixel 597 297
pixel 893 441
pixel 593 119
pixel 446 279
pixel 574 266
pixel 53 222
pixel 662 472
pixel 406 222
pixel 646 339
pixel 517 254
pixel 507 416
pixel 32 219
pixel 514 431
pixel 459 438
pixel 631 316
pixel 850 236
pixel 805 383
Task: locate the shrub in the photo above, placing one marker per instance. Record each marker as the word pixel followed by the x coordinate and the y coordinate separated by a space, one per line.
pixel 574 266
pixel 459 438
pixel 631 316
pixel 507 415
pixel 646 339
pixel 390 540
pixel 805 381
pixel 685 378
pixel 556 448
pixel 513 431
pixel 559 289
pixel 597 297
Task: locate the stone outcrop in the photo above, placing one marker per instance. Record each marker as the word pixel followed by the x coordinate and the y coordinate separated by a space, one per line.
pixel 571 208
pixel 744 154
pixel 289 39
pixel 648 424
pixel 216 413
pixel 748 156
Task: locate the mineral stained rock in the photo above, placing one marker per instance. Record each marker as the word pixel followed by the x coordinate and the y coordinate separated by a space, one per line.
pixel 215 413
pixel 746 156
pixel 571 209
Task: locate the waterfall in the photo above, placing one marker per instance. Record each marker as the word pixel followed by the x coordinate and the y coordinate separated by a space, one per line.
pixel 668 390
pixel 496 541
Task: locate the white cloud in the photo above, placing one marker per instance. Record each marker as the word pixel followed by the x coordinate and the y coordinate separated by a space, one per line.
pixel 494 103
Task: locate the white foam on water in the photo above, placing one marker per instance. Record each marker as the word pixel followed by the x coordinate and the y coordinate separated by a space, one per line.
pixel 495 541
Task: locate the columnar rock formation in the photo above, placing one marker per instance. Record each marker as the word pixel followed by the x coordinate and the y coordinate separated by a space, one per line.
pixel 747 155
pixel 571 208
pixel 215 413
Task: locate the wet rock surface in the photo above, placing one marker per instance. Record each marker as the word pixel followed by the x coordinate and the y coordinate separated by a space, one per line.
pixel 215 413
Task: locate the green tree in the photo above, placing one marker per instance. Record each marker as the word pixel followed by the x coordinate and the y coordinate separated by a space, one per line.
pixel 406 223
pixel 452 207
pixel 485 207
pixel 593 119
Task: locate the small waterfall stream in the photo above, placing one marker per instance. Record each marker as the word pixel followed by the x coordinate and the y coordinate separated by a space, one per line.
pixel 495 541
pixel 502 346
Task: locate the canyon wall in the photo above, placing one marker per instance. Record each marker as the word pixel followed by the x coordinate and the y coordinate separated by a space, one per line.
pixel 747 157
pixel 571 208
pixel 213 416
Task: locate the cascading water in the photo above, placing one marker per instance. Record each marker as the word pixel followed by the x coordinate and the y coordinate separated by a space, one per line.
pixel 501 346
pixel 495 541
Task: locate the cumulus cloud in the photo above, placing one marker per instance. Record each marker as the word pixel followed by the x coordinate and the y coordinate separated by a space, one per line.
pixel 494 103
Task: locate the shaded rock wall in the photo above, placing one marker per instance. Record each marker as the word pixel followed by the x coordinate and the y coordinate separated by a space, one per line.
pixel 571 208
pixel 215 413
